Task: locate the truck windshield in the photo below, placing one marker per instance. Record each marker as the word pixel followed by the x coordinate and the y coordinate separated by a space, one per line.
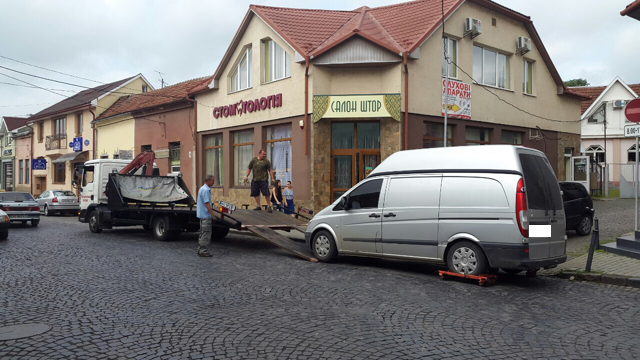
pixel 87 175
pixel 16 197
pixel 543 191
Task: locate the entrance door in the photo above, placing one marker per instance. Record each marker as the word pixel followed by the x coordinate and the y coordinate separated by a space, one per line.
pixel 8 176
pixel 580 166
pixel 355 152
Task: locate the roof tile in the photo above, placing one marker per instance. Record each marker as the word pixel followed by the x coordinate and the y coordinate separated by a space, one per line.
pixel 592 92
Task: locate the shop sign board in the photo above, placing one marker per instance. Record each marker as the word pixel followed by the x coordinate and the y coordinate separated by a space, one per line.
pixel 76 144
pixel 356 106
pixel 7 152
pixel 248 106
pixel 459 99
pixel 39 164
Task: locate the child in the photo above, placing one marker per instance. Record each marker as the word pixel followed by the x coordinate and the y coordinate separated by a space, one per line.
pixel 276 196
pixel 288 200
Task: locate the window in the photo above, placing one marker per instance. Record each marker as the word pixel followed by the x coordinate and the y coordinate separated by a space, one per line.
pixel 511 137
pixel 631 154
pixel 541 184
pixel 527 81
pixel 144 148
pixel 144 89
pixel 41 131
pixel 277 62
pixel 241 77
pixel 21 169
pixel 242 155
pixel 60 127
pixel 365 196
pixel 433 135
pixel 58 173
pixel 174 156
pixel 570 192
pixel 452 54
pixel 365 136
pixel 278 145
pixel 213 157
pixel 421 192
pixel 490 67
pixel 79 124
pixel 476 136
pixel 27 167
pixel 87 175
pixel 471 192
pixel 116 155
pixel 599 115
pixel 596 152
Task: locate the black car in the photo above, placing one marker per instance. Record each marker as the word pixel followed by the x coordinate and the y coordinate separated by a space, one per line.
pixel 578 207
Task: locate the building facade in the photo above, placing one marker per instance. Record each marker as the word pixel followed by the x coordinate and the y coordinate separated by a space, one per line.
pixel 23 139
pixel 331 94
pixel 64 136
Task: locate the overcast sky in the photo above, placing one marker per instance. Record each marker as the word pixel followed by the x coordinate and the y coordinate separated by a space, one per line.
pixel 112 39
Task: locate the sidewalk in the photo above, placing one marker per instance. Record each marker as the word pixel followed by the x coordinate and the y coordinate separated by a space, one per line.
pixel 603 263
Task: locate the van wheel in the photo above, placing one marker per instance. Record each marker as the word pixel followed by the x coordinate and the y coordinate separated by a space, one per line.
pixel 467 258
pixel 324 247
pixel 584 228
pixel 93 222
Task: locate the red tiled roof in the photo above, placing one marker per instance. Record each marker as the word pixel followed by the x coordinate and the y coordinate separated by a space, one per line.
pixel 632 10
pixel 164 96
pixel 592 93
pixel 14 122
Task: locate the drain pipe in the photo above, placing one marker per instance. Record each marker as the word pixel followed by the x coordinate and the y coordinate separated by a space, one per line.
pixel 95 132
pixel 33 133
pixel 195 140
pixel 306 105
pixel 406 101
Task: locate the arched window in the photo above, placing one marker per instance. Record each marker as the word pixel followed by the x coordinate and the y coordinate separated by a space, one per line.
pixel 596 152
pixel 631 154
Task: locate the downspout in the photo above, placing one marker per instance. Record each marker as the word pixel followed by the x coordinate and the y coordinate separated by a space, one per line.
pixel 95 133
pixel 306 105
pixel 31 159
pixel 406 101
pixel 195 140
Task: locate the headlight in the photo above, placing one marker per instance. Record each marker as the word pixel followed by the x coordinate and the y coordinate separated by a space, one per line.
pixel 5 218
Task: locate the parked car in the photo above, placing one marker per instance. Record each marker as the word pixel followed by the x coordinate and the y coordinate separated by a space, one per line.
pixel 20 207
pixel 4 225
pixel 58 201
pixel 578 207
pixel 472 208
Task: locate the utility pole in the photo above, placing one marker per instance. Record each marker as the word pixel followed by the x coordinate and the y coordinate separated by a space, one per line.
pixel 446 86
pixel 605 173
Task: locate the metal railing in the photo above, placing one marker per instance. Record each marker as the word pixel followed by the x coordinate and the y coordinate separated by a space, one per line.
pixel 54 142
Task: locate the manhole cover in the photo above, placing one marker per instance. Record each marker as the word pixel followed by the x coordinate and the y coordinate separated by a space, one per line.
pixel 22 331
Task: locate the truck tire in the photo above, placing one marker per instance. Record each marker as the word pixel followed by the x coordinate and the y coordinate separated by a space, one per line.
pixel 161 230
pixel 219 233
pixel 4 235
pixel 94 224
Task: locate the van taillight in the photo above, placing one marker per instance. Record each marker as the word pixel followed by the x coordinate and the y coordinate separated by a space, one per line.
pixel 521 209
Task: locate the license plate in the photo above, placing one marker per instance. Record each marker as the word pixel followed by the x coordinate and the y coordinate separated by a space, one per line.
pixel 539 231
pixel 68 201
pixel 228 206
pixel 17 216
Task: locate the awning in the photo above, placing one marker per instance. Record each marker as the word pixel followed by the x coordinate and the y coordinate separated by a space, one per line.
pixel 67 157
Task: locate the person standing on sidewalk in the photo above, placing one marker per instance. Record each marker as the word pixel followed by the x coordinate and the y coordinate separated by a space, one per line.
pixel 261 168
pixel 205 214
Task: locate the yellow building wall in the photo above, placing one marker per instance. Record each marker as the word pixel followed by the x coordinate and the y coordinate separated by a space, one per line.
pixel 425 76
pixel 134 87
pixel 115 134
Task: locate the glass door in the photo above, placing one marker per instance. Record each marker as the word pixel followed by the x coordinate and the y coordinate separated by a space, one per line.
pixel 580 166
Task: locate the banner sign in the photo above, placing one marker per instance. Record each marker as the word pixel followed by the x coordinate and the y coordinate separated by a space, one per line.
pixel 459 99
pixel 38 164
pixel 356 106
pixel 263 103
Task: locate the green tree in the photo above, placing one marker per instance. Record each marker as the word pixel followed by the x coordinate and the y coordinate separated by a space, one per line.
pixel 576 82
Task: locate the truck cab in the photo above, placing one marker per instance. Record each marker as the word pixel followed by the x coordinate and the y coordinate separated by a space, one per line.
pixel 93 182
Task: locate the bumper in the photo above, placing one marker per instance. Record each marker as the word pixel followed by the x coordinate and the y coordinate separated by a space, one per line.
pixel 23 216
pixel 75 207
pixel 516 256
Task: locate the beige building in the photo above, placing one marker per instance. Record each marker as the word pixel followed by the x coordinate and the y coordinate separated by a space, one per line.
pixel 330 94
pixel 64 136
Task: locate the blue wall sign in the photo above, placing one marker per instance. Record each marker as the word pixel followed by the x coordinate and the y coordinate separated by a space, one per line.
pixel 77 144
pixel 86 142
pixel 38 164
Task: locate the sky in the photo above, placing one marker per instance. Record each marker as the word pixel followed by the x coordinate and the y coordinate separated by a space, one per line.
pixel 108 40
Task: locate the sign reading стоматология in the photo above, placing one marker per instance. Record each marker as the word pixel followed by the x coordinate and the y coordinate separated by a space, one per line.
pixel 459 99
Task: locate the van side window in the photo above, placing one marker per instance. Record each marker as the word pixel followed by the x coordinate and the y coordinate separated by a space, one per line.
pixel 366 195
pixel 472 192
pixel 413 192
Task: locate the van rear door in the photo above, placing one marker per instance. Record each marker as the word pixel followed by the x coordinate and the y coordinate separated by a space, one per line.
pixel 545 207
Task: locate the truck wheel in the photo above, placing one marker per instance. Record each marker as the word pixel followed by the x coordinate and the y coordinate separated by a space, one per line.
pixel 324 247
pixel 4 235
pixel 93 222
pixel 161 230
pixel 467 258
pixel 219 233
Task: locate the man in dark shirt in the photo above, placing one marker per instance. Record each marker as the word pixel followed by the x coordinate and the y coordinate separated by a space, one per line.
pixel 261 168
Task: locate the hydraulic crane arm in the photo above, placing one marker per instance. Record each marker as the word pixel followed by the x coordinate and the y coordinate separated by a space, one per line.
pixel 143 160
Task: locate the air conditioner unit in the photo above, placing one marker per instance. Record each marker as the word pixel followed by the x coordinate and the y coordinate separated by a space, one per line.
pixel 524 45
pixel 472 27
pixel 619 104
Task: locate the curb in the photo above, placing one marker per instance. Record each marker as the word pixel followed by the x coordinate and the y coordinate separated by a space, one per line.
pixel 619 280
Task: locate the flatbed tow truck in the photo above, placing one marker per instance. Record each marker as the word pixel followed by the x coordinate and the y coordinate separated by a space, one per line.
pixel 117 193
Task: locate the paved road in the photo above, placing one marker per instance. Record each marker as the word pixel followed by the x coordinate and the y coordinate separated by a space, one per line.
pixel 121 294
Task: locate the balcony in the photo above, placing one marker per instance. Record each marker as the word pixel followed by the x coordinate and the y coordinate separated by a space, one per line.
pixel 55 142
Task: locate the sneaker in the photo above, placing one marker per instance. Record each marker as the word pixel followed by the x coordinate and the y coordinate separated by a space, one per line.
pixel 269 209
pixel 204 252
pixel 257 208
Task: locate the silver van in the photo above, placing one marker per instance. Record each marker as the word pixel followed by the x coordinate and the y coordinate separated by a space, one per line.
pixel 475 208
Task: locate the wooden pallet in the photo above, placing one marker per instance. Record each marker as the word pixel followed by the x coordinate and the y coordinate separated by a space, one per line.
pixel 283 242
pixel 483 280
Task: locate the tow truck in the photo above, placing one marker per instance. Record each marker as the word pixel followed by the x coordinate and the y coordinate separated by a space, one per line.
pixel 116 193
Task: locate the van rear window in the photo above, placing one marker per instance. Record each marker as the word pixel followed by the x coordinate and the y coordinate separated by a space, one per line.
pixel 543 192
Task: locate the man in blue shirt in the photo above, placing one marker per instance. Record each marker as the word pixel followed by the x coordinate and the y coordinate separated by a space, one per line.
pixel 205 214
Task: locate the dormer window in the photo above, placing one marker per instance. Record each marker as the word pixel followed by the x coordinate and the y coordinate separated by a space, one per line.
pixel 241 76
pixel 277 62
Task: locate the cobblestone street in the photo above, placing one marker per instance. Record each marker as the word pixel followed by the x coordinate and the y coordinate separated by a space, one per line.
pixel 120 294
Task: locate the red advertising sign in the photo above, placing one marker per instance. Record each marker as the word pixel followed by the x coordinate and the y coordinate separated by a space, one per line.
pixel 632 111
pixel 250 106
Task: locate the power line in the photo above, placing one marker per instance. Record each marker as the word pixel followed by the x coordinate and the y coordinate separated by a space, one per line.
pixel 58 72
pixel 34 87
pixel 25 105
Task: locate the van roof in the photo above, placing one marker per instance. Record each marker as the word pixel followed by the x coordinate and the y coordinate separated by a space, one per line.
pixel 485 158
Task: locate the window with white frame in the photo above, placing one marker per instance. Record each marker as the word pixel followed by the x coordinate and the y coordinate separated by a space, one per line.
pixel 490 67
pixel 241 76
pixel 599 115
pixel 631 154
pixel 277 62
pixel 527 81
pixel 452 54
pixel 596 152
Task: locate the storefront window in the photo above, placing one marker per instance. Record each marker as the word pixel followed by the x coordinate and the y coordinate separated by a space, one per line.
pixel 21 169
pixel 279 151
pixel 342 135
pixel 476 136
pixel 277 62
pixel 242 155
pixel 58 173
pixel 511 137
pixel 27 166
pixel 174 156
pixel 368 135
pixel 213 157
pixel 433 133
